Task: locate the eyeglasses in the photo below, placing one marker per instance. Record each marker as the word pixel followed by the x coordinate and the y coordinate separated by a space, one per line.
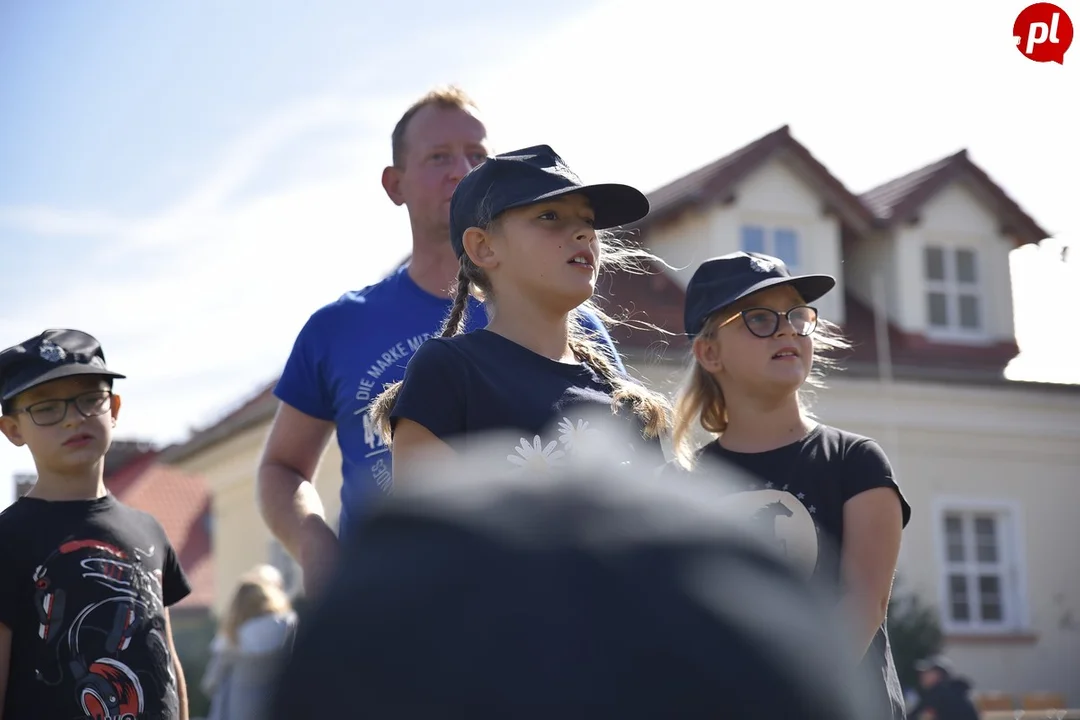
pixel 52 412
pixel 764 322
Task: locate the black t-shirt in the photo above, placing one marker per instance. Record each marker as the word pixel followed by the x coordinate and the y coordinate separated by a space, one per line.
pixel 83 587
pixel 797 493
pixel 461 387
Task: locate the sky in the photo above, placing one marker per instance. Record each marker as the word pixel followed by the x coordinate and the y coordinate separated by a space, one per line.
pixel 188 181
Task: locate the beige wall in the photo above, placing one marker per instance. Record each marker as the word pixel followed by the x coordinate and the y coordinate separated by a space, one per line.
pixel 240 537
pixel 1003 450
pixel 772 196
pixel 1009 451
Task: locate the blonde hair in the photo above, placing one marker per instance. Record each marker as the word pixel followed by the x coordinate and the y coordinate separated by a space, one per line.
pixel 258 593
pixel 450 97
pixel 700 401
pixel 653 408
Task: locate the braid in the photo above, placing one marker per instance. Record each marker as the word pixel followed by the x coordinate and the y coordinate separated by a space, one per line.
pixel 383 405
pixel 652 408
pixel 459 313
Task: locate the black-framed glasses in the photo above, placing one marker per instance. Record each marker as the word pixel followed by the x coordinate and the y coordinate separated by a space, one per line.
pixel 51 412
pixel 764 322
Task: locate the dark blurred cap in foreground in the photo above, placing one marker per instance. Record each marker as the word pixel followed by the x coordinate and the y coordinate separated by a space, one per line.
pixel 589 591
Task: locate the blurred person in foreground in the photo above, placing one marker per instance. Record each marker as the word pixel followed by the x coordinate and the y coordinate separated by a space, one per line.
pixel 589 592
pixel 256 632
pixel 350 348
pixel 942 694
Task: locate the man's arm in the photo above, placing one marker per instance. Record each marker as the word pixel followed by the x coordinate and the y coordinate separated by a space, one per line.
pixel 289 504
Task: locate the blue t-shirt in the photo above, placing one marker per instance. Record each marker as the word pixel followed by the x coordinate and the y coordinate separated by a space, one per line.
pixel 462 387
pixel 349 350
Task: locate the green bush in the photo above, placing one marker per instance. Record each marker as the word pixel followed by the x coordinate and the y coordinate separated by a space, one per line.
pixel 192 636
pixel 914 633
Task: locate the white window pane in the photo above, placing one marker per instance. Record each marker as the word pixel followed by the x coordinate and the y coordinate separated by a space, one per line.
pixel 753 238
pixel 986 541
pixel 937 309
pixel 934 263
pixel 954 539
pixel 965 266
pixel 969 311
pixel 786 246
pixel 990 609
pixel 959 609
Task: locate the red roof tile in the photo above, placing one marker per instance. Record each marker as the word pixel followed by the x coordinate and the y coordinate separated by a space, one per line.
pixel 715 182
pixel 641 301
pixel 900 199
pixel 181 503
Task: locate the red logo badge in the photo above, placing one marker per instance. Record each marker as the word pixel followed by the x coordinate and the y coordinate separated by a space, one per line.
pixel 1043 32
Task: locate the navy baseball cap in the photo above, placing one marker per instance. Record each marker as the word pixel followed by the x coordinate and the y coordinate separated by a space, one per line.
pixel 723 280
pixel 52 355
pixel 579 590
pixel 937 662
pixel 531 175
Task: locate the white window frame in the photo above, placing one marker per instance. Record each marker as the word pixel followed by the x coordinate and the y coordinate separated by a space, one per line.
pixel 952 288
pixel 1012 559
pixel 290 570
pixel 769 230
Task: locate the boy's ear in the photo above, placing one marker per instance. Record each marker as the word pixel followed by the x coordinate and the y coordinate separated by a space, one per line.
pixel 115 408
pixel 707 353
pixel 478 247
pixel 10 428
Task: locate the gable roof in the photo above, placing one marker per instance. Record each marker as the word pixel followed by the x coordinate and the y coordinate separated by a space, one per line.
pixel 715 182
pixel 251 412
pixel 899 200
pixel 657 300
pixel 181 503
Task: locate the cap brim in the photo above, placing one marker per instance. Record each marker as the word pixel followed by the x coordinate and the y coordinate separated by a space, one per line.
pixel 61 372
pixel 809 287
pixel 612 204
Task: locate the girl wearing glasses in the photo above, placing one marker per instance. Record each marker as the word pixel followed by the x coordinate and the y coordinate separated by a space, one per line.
pixel 826 496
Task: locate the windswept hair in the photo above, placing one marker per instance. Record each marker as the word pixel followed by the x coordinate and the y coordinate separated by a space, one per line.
pixel 653 408
pixel 700 404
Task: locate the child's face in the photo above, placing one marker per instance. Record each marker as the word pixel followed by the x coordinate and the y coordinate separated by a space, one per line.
pixel 52 421
pixel 735 356
pixel 548 250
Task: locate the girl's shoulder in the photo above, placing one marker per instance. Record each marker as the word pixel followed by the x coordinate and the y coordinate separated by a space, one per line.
pixel 838 436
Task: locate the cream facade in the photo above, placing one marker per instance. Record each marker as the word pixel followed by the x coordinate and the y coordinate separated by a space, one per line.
pixel 991 468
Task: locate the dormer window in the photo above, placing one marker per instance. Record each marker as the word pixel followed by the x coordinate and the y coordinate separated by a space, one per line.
pixel 779 242
pixel 953 300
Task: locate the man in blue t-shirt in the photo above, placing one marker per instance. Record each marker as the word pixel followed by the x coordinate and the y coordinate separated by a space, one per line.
pixel 351 348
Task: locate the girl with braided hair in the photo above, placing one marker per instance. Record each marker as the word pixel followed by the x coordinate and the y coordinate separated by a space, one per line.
pixel 529 236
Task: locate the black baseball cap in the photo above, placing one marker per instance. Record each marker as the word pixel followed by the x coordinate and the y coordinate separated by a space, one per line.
pixel 52 355
pixel 937 662
pixel 723 280
pixel 581 591
pixel 531 175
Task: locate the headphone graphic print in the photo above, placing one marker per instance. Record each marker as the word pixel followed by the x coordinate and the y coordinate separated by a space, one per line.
pixel 105 687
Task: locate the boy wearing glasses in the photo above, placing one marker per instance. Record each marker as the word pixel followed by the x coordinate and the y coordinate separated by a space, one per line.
pixel 85 581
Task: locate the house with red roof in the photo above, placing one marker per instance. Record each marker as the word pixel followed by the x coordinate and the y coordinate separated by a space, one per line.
pixel 988 464
pixel 924 293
